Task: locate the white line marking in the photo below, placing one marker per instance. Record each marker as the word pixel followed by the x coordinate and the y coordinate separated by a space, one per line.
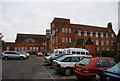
pixel 47 71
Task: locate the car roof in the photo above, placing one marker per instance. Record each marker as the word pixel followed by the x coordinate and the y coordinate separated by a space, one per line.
pixel 99 57
pixel 75 55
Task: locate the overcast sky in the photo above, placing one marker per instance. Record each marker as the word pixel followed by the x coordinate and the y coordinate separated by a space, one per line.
pixel 35 16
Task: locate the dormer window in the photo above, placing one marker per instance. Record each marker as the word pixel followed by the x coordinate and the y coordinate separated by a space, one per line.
pixel 30 40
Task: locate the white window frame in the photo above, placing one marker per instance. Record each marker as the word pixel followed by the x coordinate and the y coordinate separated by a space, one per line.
pixel 69 30
pixel 79 33
pixel 97 42
pixel 96 34
pixel 66 39
pixel 91 34
pixel 69 39
pixel 63 30
pixel 102 42
pixel 63 39
pixel 85 33
pixel 102 34
pixel 106 35
pixel 107 42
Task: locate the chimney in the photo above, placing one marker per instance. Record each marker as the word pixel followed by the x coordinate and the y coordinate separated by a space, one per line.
pixel 109 25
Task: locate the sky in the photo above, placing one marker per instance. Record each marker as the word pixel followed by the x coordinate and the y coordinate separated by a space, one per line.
pixel 35 16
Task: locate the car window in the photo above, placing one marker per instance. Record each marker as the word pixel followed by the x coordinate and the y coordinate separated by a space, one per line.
pixel 73 52
pixel 82 53
pixel 112 62
pixel 7 53
pixel 61 58
pixel 78 52
pixel 84 62
pixel 80 58
pixel 17 53
pixel 74 59
pixel 102 63
pixel 66 59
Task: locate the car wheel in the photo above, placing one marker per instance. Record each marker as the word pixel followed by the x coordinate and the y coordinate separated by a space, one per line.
pixel 67 71
pixel 5 58
pixel 21 58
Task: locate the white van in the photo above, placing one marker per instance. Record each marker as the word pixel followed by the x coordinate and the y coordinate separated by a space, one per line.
pixel 79 51
pixel 58 51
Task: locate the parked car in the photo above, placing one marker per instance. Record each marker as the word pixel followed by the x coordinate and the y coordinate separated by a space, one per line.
pixel 39 54
pixel 56 57
pixel 66 63
pixel 86 68
pixel 13 55
pixel 25 53
pixel 112 74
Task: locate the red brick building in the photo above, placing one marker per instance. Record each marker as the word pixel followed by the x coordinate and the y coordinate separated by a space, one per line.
pixel 63 33
pixel 28 42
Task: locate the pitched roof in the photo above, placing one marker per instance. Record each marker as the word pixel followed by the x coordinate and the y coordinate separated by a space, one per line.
pixel 37 37
pixel 81 42
pixel 88 28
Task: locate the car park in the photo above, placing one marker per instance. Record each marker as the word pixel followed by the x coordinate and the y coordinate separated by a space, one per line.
pixel 13 55
pixel 66 63
pixel 87 67
pixel 112 74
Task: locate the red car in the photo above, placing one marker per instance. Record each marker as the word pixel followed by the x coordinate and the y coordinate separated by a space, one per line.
pixel 39 54
pixel 86 68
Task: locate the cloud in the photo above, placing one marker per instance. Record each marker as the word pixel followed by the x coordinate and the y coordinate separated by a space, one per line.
pixel 35 17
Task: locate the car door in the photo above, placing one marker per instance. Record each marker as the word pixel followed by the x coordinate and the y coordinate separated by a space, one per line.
pixel 102 64
pixel 73 61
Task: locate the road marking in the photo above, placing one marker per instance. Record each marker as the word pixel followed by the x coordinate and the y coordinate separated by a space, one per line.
pixel 47 72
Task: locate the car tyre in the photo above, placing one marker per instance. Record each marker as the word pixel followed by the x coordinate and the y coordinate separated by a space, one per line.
pixel 21 58
pixel 5 58
pixel 67 71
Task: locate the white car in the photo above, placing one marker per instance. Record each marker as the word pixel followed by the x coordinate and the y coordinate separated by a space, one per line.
pixel 13 55
pixel 66 63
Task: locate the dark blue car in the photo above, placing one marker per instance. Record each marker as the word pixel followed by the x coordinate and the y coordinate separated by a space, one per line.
pixel 112 74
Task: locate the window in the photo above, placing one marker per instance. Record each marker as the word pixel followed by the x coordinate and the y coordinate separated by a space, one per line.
pixel 78 52
pixel 101 34
pixel 66 39
pixel 106 35
pixel 7 48
pixel 74 59
pixel 63 40
pixel 102 42
pixel 91 34
pixel 97 42
pixel 62 29
pixel 102 63
pixel 82 53
pixel 66 30
pixel 66 59
pixel 112 35
pixel 85 33
pixel 30 40
pixel 97 48
pixel 96 34
pixel 69 39
pixel 15 48
pixel 107 42
pixel 73 52
pixel 112 62
pixel 112 43
pixel 107 49
pixel 69 30
pixel 79 33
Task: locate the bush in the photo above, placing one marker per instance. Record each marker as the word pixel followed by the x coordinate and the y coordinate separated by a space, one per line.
pixel 110 54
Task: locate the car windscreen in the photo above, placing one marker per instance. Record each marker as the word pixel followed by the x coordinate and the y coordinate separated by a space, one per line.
pixel 115 68
pixel 84 62
pixel 61 58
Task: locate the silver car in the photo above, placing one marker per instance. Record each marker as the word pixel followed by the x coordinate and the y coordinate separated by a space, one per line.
pixel 13 55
